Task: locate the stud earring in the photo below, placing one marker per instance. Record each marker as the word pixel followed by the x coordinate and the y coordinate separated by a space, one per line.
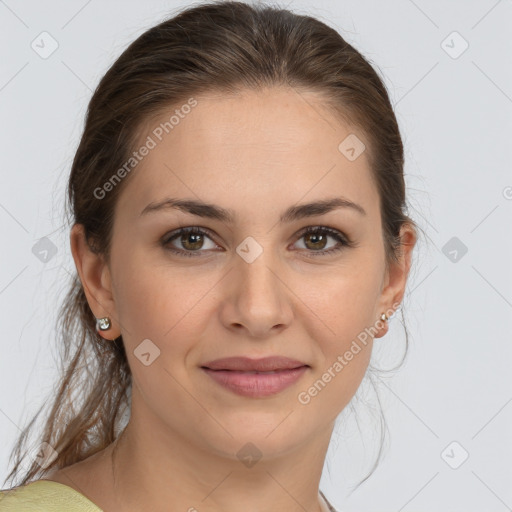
pixel 103 324
pixel 384 317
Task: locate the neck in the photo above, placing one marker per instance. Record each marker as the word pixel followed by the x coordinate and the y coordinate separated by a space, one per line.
pixel 153 468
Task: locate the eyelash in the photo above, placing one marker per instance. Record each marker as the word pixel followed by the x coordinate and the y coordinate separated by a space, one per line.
pixel 341 238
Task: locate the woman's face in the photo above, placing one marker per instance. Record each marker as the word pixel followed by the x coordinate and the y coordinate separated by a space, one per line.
pixel 254 285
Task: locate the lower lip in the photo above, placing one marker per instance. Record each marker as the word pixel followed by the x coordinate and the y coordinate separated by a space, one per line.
pixel 256 385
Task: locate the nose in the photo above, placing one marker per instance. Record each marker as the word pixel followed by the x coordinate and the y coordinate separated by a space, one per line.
pixel 258 299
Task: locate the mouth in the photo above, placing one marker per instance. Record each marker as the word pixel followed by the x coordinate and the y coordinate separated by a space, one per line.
pixel 255 378
pixel 262 365
pixel 251 372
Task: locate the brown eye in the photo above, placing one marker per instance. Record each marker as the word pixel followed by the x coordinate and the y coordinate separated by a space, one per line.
pixel 315 241
pixel 191 239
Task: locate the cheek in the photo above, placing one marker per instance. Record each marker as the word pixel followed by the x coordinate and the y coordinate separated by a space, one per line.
pixel 161 303
pixel 163 307
pixel 345 299
pixel 346 310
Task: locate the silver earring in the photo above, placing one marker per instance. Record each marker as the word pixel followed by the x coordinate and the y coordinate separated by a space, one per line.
pixel 103 324
pixel 384 317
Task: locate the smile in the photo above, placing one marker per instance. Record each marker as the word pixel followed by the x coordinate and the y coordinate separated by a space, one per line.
pixel 256 384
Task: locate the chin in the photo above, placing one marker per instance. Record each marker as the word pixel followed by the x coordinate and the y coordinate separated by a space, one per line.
pixel 272 432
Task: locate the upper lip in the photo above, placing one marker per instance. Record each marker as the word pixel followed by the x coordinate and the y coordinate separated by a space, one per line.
pixel 246 364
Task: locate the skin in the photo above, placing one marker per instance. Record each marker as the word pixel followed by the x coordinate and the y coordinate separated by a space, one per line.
pixel 256 153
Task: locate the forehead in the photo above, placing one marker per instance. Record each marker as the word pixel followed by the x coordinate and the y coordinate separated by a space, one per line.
pixel 250 148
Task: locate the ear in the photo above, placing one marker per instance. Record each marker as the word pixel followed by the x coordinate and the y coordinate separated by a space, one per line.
pixel 96 280
pixel 396 277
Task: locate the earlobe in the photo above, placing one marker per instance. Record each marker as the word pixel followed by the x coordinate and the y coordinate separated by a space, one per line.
pixel 95 277
pixel 383 326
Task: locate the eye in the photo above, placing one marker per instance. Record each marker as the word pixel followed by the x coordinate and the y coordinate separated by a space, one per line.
pixel 192 240
pixel 316 239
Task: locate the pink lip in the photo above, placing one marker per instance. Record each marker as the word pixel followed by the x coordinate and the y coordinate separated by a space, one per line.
pixel 239 374
pixel 256 385
pixel 246 364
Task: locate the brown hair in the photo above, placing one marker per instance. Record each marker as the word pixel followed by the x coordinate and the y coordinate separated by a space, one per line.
pixel 219 46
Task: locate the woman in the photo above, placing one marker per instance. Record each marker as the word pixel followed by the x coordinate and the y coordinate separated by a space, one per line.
pixel 240 240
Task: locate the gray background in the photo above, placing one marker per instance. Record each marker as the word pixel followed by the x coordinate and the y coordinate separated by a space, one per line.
pixel 455 113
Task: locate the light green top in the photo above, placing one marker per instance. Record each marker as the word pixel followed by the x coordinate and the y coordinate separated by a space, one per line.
pixel 45 496
pixel 49 496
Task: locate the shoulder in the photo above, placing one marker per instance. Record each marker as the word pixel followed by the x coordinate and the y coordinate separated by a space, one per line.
pixel 44 496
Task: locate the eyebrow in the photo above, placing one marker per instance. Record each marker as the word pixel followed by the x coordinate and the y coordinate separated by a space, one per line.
pixel 211 211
